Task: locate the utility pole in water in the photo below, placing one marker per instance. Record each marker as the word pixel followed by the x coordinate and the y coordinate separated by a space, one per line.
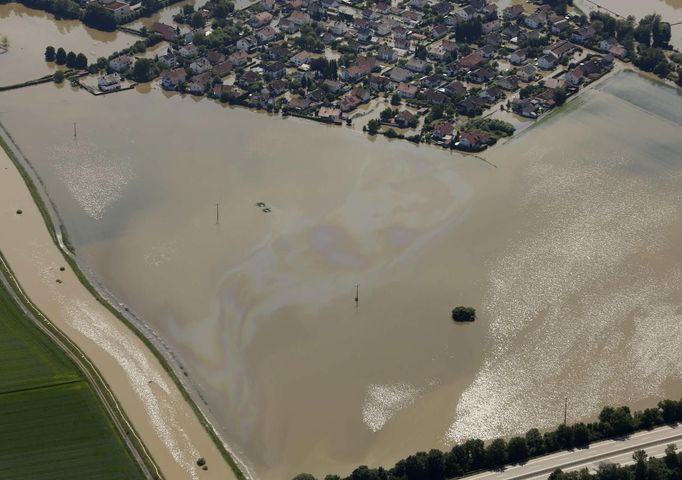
pixel 74 129
pixel 217 213
pixel 565 409
pixel 357 295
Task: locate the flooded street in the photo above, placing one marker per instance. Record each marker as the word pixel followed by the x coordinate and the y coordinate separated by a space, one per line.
pixel 566 243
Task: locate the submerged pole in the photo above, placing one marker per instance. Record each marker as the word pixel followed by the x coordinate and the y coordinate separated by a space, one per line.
pixel 74 129
pixel 217 213
pixel 565 409
pixel 357 294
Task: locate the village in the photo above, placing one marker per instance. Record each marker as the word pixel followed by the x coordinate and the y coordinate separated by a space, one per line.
pixel 457 74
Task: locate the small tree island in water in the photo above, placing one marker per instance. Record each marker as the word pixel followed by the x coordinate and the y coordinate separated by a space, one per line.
pixel 464 314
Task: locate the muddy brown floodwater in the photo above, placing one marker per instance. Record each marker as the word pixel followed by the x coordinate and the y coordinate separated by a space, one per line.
pixel 568 247
pixel 30 31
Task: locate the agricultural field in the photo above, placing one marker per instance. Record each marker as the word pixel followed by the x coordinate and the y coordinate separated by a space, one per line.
pixel 52 425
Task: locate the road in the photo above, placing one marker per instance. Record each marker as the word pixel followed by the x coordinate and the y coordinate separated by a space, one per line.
pixel 609 451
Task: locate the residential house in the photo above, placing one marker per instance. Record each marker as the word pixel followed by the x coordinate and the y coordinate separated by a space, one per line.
pixel 188 51
pixel 222 69
pixel 526 108
pixel 330 114
pixel 362 93
pixel 109 83
pixel 338 28
pixel 584 35
pixel 482 75
pixel 407 90
pixel 509 83
pixel 301 58
pixel 456 89
pixel 548 61
pixel 471 106
pixel 417 65
pixel 387 54
pixel 405 119
pixel 527 73
pixel 561 49
pixel 474 140
pixel 167 60
pixel 118 9
pixel 399 74
pixel 377 83
pixel 248 43
pixel 332 86
pixel 200 65
pixel 173 79
pixel 575 77
pixel 215 57
pixel 432 81
pixel 266 35
pixel 442 132
pixel 199 83
pixel 535 20
pixel 261 19
pixel 121 63
pixel 434 97
pixel 238 58
pixel 167 32
pixel 518 57
pixel 275 70
pixel 492 94
pixel 299 18
pixel 473 60
pixel 513 12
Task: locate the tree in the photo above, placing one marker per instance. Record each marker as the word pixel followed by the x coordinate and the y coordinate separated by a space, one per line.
pixel 373 126
pixel 50 54
pixel 304 476
pixel 464 314
pixel 60 57
pixel 71 59
pixel 475 452
pixel 81 61
pixel 142 70
pixel 581 435
pixel 58 76
pixel 517 450
pixel 640 457
pixel 96 16
pixel 496 453
pixel 386 114
pixel 396 100
pixel 560 96
pixel 534 442
pixel 564 436
pixel 198 20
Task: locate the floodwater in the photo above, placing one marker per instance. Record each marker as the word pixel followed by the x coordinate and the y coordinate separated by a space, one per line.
pixel 30 31
pixel 567 249
pixel 565 243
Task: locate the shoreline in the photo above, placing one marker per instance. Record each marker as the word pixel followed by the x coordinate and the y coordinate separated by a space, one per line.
pixel 167 362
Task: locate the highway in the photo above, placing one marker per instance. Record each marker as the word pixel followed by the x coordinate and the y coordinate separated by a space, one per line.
pixel 609 451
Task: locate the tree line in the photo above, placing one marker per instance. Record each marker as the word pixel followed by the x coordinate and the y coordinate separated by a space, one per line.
pixel 70 59
pixel 475 454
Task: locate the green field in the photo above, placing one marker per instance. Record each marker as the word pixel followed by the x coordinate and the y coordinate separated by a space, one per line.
pixel 52 425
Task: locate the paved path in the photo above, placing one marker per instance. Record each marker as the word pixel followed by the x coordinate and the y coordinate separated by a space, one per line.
pixel 613 451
